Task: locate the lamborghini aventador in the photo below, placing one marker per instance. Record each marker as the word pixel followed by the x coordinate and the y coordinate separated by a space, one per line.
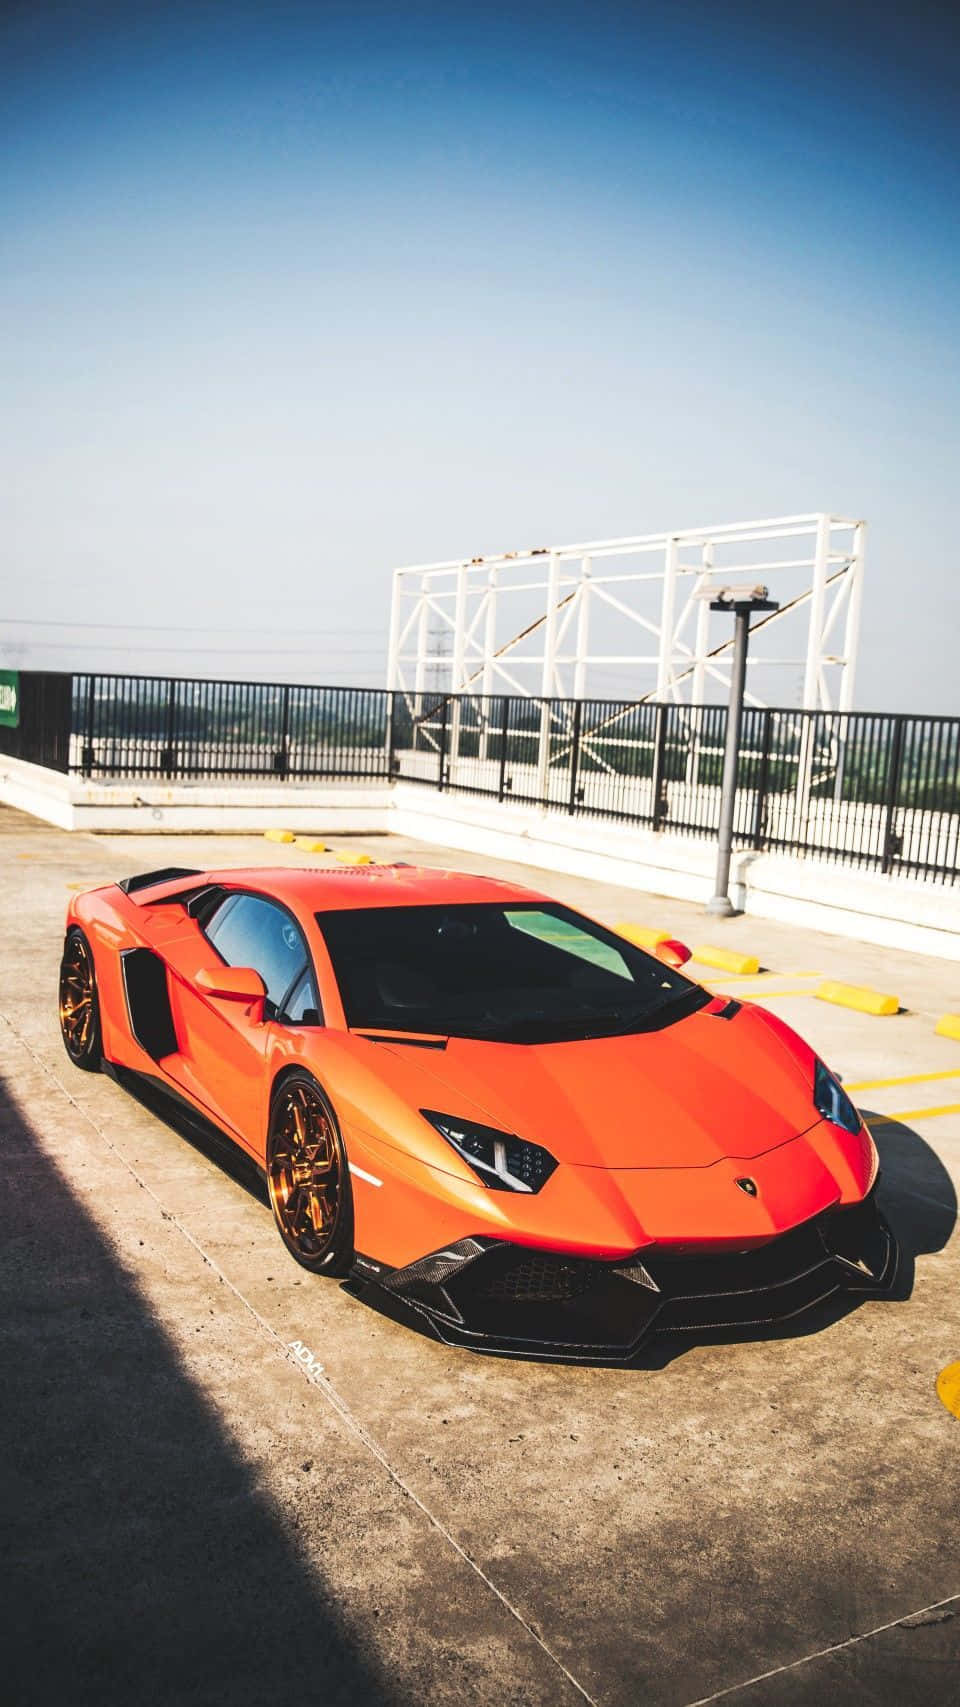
pixel 533 1134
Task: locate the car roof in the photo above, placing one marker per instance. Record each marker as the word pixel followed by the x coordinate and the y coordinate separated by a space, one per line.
pixel 319 889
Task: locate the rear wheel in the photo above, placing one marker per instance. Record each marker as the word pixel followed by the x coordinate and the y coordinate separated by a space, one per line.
pixel 79 1008
pixel 308 1179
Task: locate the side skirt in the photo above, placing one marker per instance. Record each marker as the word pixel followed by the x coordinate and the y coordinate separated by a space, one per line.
pixel 200 1131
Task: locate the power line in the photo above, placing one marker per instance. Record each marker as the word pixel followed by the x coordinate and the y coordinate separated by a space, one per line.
pixel 165 627
pixel 207 651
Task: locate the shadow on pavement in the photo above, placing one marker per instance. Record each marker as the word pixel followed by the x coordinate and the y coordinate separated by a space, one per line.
pixel 917 1192
pixel 143 1563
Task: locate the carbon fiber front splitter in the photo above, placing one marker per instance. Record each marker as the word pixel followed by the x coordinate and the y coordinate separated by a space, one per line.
pixel 499 1297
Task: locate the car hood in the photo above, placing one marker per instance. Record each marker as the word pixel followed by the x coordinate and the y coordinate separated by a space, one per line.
pixel 703 1088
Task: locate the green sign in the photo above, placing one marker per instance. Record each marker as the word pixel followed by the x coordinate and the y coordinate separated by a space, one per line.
pixel 10 698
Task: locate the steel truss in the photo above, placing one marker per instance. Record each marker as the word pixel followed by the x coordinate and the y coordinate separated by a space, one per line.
pixel 812 563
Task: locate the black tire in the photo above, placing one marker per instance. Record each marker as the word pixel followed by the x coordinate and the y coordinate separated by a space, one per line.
pixel 308 1178
pixel 79 1004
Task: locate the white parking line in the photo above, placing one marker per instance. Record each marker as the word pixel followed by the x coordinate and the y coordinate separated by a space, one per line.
pixel 834 1648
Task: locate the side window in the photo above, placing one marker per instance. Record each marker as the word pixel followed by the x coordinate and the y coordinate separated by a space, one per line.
pixel 250 931
pixel 302 1006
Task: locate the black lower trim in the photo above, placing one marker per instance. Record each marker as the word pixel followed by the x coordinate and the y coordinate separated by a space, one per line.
pixel 496 1296
pixel 170 1105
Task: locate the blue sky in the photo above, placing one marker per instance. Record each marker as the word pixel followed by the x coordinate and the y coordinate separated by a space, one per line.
pixel 291 294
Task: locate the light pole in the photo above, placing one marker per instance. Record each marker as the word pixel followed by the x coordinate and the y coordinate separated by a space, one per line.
pixel 742 601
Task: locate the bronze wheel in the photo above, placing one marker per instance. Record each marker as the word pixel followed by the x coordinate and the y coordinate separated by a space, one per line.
pixel 79 1009
pixel 307 1177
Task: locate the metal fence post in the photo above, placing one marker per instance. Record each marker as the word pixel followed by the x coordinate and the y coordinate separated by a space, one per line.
pixel 86 756
pixel 281 758
pixel 442 755
pixel 721 905
pixel 168 756
pixel 760 804
pixel 503 747
pixel 659 758
pixel 543 752
pixel 575 755
pixel 894 766
pixel 391 734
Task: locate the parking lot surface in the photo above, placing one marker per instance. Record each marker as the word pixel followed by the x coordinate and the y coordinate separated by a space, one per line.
pixel 196 1513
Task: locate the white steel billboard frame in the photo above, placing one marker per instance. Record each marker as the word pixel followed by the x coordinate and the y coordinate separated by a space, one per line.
pixel 465 597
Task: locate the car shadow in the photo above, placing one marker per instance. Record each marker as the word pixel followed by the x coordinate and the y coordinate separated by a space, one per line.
pixel 918 1196
pixel 145 1563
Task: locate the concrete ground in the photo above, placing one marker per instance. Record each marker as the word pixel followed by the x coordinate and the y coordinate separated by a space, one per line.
pixel 192 1516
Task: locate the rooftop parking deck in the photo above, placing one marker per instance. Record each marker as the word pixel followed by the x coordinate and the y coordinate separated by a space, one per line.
pixel 202 1514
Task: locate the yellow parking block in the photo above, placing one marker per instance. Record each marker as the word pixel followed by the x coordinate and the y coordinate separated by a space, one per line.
pixel 728 960
pixel 948 1388
pixel 641 935
pixel 347 856
pixel 949 1026
pixel 308 844
pixel 856 996
pixel 279 836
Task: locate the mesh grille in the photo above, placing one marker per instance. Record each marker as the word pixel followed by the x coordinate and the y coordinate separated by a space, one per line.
pixel 538 1279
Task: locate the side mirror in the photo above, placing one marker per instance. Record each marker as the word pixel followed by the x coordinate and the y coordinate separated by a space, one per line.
pixel 672 953
pixel 233 983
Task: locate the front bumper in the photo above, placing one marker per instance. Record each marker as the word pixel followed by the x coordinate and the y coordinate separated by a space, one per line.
pixel 508 1298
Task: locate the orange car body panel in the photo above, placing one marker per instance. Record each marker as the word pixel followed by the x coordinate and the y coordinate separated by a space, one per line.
pixel 650 1131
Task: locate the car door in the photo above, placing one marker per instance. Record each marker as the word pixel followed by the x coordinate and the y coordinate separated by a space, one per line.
pixel 224 1061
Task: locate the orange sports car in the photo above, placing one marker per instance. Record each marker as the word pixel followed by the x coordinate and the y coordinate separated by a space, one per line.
pixel 512 1120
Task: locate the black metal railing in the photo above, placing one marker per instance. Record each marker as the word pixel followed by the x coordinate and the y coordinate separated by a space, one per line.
pixel 877 790
pixel 41 735
pixel 145 726
pixel 870 789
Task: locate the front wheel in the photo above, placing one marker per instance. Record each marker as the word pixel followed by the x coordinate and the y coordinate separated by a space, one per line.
pixel 308 1179
pixel 79 1007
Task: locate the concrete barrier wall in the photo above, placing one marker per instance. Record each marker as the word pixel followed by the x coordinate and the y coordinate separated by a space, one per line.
pixel 922 918
pixel 74 803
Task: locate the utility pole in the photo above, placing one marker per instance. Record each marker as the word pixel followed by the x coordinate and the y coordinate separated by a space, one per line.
pixel 742 601
pixel 439 646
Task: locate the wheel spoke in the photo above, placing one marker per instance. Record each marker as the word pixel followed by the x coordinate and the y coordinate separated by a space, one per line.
pixel 77 999
pixel 304 1172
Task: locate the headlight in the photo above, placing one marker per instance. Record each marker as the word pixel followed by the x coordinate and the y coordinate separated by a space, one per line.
pixel 831 1100
pixel 502 1161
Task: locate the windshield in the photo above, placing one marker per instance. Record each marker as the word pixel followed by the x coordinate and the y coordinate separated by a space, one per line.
pixel 519 973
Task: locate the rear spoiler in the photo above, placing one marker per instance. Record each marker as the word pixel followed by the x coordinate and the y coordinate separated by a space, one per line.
pixel 148 879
